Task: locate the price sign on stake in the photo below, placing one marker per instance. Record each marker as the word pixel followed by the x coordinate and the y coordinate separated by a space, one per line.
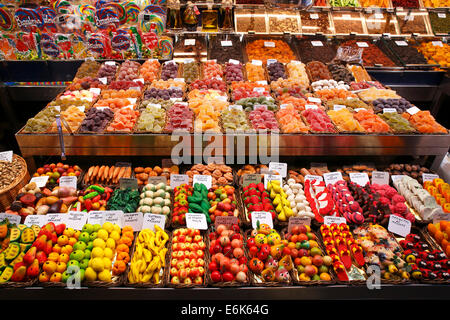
pixel 257 62
pixel 12 218
pixel 397 177
pixel 233 61
pixel 399 225
pixel 328 220
pixel 389 110
pixel 313 177
pixel 151 220
pixel 279 167
pixel 297 221
pixel 57 218
pixel 115 217
pixel 6 156
pixel 39 220
pixel 68 182
pixel 360 178
pixel 401 43
pixel 262 217
pixel 178 179
pixel 317 43
pixel 269 44
pixel 226 43
pixel 429 176
pixel 271 177
pixel 413 110
pixel 332 177
pixel 443 216
pixel 40 181
pixel 95 217
pixel 189 42
pixel 338 107
pixel 76 220
pixel 362 44
pixel 314 16
pixel 134 220
pixel 250 178
pixel 95 90
pixel 128 183
pixel 203 179
pixel 380 177
pixel 157 179
pixel 196 221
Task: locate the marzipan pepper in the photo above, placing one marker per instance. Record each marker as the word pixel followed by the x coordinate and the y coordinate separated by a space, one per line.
pixel 181 203
pixel 93 197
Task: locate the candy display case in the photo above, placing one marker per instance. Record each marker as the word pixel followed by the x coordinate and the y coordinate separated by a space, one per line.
pixel 283 21
pixel 440 22
pixel 315 21
pixel 414 23
pixel 381 23
pixel 250 20
pixel 346 23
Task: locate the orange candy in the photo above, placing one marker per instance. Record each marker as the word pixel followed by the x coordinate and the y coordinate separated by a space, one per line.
pixel 73 116
pixel 344 121
pixel 290 120
pixel 124 120
pixel 269 49
pixel 371 122
pixel 424 122
pixel 328 94
pixel 114 104
pixel 149 70
pixel 112 94
pixel 212 69
pixel 254 72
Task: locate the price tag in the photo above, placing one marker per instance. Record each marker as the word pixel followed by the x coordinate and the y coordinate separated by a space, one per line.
pixel 346 16
pixel 68 182
pixel 40 181
pixel 39 220
pixel 262 82
pixel 232 61
pixel 314 16
pixel 134 220
pixel 298 221
pixel 257 62
pixel 338 107
pixel 362 44
pixel 128 183
pixel 154 105
pixel 227 221
pixel 150 220
pixel 140 80
pixel 360 178
pixel 57 218
pixel 397 177
pixel 157 179
pixel 196 221
pixel 314 100
pixel 188 60
pixel 269 44
pixel 12 218
pixel 103 80
pixel 279 167
pixel 359 109
pixel 95 90
pixel 226 43
pixel 442 15
pixel 295 62
pixel 332 177
pixel 413 110
pixel 179 80
pixel 442 216
pixel 313 177
pixel 203 179
pixel 328 220
pixel 81 108
pixel 401 43
pixel 251 178
pixel 409 17
pixel 380 177
pixel 437 43
pixel 76 220
pixel 262 217
pixel 270 61
pixel 101 108
pixel 178 179
pixel 311 106
pixel 170 61
pixel 189 42
pixel 259 90
pixel 95 217
pixel 235 107
pixel 399 225
pixel 110 63
pixel 132 100
pixel 389 110
pixel 272 177
pixel 317 43
pixel 115 217
pixel 429 176
pixel 58 108
pixel 379 16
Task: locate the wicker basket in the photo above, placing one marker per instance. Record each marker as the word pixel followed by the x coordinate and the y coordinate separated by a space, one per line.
pixel 8 194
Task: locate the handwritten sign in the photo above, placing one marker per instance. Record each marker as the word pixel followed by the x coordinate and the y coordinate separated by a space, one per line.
pixel 134 220
pixel 251 178
pixel 178 179
pixel 262 217
pixel 360 178
pixel 6 156
pixel 76 220
pixel 196 221
pixel 151 220
pixel 332 177
pixel 298 221
pixel 399 225
pixel 328 220
pixel 279 167
pixel 202 179
pixel 380 177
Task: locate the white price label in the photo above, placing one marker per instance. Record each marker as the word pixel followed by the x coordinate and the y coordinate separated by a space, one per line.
pixel 262 217
pixel 189 42
pixel 262 82
pixel 313 177
pixel 196 221
pixel 235 107
pixel 154 105
pixel 76 220
pixel 409 17
pixel 110 63
pixel 272 177
pixel 389 110
pixel 150 220
pixel 101 108
pixel 202 179
pixel 95 217
pixel 226 43
pixel 317 43
pixel 442 15
pixel 270 61
pixel 140 80
pixel 134 220
pixel 259 90
pixel 298 221
pixel 442 216
pixel 12 218
pixel 380 177
pixel 397 177
pixel 429 176
pixel 311 106
pixel 328 220
pixel 279 167
pixel 103 80
pixel 401 43
pixel 413 110
pixel 362 44
pixel 188 60
pixel 132 100
pixel 379 16
pixel 346 16
pixel 95 91
pixel 58 108
pixel 269 44
pixel 115 217
pixel 314 16
pixel 81 108
pixel 338 107
pixel 178 179
pixel 232 61
pixel 332 177
pixel 39 220
pixel 40 181
pixel 314 100
pixel 68 182
pixel 57 218
pixel 399 225
pixel 437 43
pixel 257 62
pixel 284 106
pixel 179 80
pixel 359 109
pixel 360 178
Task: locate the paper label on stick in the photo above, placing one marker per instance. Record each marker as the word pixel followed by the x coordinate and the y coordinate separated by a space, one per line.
pixel 103 80
pixel 270 61
pixel 150 220
pixel 298 221
pixel 279 167
pixel 389 110
pixel 57 218
pixel 115 217
pixel 128 183
pixel 196 221
pixel 40 181
pixel 311 106
pixel 442 15
pixel 397 177
pixel 12 218
pixel 437 43
pixel 401 43
pixel 228 220
pixel 189 42
pixel 429 176
pixel 202 179
pixel 76 220
pixel 272 177
pixel 134 220
pixel 157 179
pixel 379 16
pixel 95 91
pixel 232 61
pixel 328 220
pixel 332 177
pixel 262 82
pixel 68 182
pixel 317 43
pixel 314 100
pixel 95 217
pixel 338 107
pixel 443 216
pixel 413 110
pixel 360 178
pixel 257 62
pixel 262 217
pixel 313 177
pixel 178 179
pixel 251 178
pixel 81 108
pixel 39 220
pixel 314 16
pixel 269 44
pixel 399 225
pixel 110 63
pixel 235 107
pixel 226 43
pixel 362 44
pixel 380 177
